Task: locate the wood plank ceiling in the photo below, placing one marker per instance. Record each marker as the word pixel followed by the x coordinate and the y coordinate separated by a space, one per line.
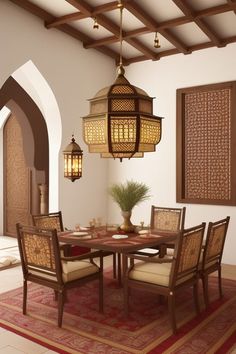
pixel 182 26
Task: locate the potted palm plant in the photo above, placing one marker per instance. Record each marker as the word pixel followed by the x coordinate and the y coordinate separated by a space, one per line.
pixel 127 195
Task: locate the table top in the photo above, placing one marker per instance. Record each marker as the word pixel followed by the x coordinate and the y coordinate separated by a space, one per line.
pixel 103 240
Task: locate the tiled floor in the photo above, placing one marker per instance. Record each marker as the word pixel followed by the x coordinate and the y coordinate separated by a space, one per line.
pixel 11 343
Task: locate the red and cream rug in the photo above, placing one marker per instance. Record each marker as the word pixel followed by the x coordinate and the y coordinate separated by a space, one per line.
pixel 146 330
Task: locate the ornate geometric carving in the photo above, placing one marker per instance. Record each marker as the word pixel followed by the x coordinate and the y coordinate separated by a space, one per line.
pixel 17 179
pixel 205 144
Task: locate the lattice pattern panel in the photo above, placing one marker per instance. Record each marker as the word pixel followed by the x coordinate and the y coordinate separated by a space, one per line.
pixel 122 90
pixel 216 240
pixel 207 138
pixel 94 131
pixel 166 220
pixel 124 130
pixel 39 251
pixel 48 222
pixel 127 105
pixel 150 131
pixel 189 252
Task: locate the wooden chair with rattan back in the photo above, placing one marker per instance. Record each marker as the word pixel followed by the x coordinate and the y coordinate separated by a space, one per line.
pixel 165 219
pixel 212 254
pixel 54 221
pixel 43 264
pixel 49 221
pixel 165 276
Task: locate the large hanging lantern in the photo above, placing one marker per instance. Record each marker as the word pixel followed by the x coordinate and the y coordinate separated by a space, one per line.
pixel 73 157
pixel 121 123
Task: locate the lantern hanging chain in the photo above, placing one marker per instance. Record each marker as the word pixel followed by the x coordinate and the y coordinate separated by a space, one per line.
pixel 121 6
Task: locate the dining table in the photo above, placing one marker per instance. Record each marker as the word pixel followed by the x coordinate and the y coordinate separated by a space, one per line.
pixel 117 241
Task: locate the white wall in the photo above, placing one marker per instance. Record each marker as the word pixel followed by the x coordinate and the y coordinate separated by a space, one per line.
pixel 74 75
pixel 161 79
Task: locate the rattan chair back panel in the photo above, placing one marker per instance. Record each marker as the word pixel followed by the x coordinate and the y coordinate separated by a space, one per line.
pixel 38 251
pixel 190 250
pixel 49 221
pixel 167 219
pixel 215 240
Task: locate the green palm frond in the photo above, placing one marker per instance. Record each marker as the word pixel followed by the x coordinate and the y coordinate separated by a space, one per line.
pixel 129 194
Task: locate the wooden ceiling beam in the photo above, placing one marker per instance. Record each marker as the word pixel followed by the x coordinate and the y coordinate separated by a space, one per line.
pixel 199 22
pixel 76 16
pixel 220 9
pixel 114 39
pixel 65 19
pixel 147 20
pixel 232 3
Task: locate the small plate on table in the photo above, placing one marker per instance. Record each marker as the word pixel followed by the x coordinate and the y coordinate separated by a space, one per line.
pixel 119 237
pixel 80 233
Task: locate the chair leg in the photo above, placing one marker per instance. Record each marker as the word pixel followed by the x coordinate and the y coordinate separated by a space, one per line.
pixel 119 268
pixel 220 282
pixel 24 296
pixel 60 306
pixel 101 292
pixel 171 306
pixel 126 298
pixel 196 298
pixel 205 289
pixel 114 265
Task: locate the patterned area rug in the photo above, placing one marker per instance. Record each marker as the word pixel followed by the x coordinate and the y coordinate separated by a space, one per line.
pixel 146 330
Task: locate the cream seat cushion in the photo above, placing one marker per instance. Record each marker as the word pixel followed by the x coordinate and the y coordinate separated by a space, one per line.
pixel 158 274
pixel 77 269
pixel 155 273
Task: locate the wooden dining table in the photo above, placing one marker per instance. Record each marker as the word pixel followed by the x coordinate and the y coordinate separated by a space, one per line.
pixel 117 242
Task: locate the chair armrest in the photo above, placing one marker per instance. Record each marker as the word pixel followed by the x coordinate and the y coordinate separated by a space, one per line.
pixel 83 256
pixel 150 259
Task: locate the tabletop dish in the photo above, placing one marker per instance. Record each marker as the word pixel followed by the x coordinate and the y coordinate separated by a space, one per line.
pixel 119 237
pixel 80 233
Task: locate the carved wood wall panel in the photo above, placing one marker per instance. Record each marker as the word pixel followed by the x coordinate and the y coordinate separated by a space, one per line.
pixel 206 140
pixel 17 179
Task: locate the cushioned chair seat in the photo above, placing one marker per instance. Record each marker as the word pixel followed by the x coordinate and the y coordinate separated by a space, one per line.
pixel 151 273
pixel 77 269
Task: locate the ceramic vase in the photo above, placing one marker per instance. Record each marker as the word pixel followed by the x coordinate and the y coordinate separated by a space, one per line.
pixel 127 226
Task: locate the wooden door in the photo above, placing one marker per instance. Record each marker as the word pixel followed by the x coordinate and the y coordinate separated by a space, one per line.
pixel 17 179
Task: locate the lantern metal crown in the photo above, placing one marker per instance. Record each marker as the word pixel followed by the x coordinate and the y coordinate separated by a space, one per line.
pixel 121 123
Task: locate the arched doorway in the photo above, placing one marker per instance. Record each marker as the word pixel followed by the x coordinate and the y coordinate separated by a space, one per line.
pixel 25 157
pixel 31 101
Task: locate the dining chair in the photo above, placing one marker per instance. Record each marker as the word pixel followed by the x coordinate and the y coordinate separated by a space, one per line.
pixel 165 276
pixel 54 221
pixel 165 219
pixel 43 264
pixel 212 254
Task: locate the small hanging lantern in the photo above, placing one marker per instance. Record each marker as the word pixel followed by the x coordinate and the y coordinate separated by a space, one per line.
pixel 73 156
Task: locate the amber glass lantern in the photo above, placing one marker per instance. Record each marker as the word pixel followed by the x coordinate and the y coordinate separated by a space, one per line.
pixel 121 123
pixel 73 157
